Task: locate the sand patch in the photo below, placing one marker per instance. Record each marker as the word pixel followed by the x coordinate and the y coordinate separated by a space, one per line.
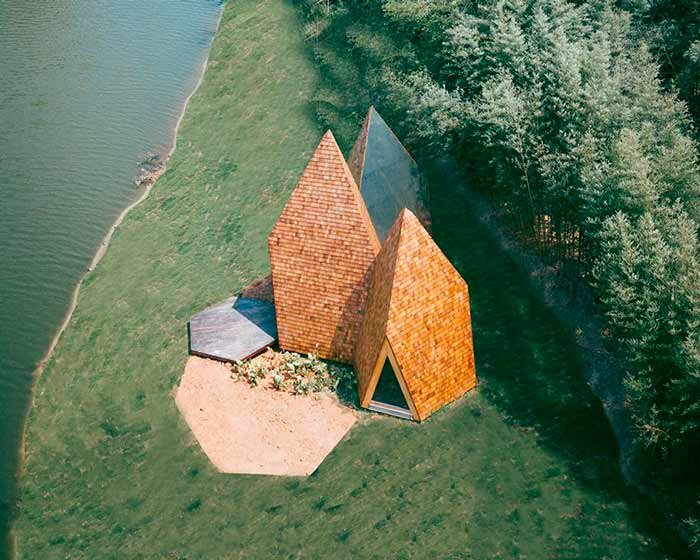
pixel 258 430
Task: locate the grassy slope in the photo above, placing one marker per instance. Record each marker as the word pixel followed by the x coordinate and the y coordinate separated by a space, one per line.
pixel 112 471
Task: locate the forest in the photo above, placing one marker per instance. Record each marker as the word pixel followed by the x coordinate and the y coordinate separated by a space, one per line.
pixel 578 120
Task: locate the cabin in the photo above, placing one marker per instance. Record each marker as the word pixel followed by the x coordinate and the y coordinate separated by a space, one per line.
pixel 321 251
pixel 358 279
pixel 414 351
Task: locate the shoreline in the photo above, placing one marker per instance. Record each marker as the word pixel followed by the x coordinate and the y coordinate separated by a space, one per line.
pixel 97 257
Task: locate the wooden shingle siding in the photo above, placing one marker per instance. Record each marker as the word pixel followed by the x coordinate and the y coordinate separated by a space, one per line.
pixel 373 329
pixel 321 251
pixel 419 303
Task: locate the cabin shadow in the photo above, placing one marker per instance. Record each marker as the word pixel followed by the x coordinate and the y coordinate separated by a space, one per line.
pixel 346 391
pixel 527 364
pixel 343 339
pixel 260 313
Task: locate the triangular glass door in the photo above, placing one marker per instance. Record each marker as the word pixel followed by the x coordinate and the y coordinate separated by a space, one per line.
pixel 388 390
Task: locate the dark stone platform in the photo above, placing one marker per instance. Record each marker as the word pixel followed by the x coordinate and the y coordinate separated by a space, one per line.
pixel 235 329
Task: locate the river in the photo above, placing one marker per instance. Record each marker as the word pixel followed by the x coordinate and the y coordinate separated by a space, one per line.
pixel 88 90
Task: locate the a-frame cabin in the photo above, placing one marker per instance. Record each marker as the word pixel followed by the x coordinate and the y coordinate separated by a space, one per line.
pixel 414 351
pixel 321 250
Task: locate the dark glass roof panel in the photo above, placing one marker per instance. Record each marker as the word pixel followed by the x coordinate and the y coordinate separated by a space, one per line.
pixel 390 180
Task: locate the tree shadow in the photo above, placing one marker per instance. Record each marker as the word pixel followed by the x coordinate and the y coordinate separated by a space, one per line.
pixel 528 363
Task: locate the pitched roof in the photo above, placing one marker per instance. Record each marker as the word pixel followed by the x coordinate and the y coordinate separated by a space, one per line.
pixel 419 304
pixel 321 250
pixel 386 173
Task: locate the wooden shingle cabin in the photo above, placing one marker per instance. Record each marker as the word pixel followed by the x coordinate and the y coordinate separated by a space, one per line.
pixel 357 279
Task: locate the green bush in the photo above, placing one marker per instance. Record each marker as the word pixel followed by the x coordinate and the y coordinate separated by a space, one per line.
pixel 291 370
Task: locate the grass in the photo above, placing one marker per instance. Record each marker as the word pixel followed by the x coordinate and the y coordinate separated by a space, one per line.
pixel 524 467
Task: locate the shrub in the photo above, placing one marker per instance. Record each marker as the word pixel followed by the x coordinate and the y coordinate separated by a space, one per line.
pixel 303 374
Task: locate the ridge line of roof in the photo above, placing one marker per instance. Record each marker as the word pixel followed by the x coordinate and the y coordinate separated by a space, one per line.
pixel 367 122
pixel 364 213
pixel 400 223
pixel 359 200
pixel 439 250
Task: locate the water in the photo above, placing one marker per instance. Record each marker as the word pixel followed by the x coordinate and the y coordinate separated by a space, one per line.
pixel 88 89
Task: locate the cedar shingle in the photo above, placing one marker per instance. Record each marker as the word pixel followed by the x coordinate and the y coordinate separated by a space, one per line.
pixel 419 303
pixel 321 250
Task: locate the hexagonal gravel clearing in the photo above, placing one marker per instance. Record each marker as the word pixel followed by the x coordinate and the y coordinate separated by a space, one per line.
pixel 258 430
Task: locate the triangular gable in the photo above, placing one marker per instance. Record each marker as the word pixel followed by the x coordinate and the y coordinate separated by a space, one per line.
pixel 419 303
pixel 320 252
pixel 385 172
pixel 386 353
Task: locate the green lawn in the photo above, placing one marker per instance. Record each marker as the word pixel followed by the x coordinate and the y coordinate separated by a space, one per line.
pixel 524 467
